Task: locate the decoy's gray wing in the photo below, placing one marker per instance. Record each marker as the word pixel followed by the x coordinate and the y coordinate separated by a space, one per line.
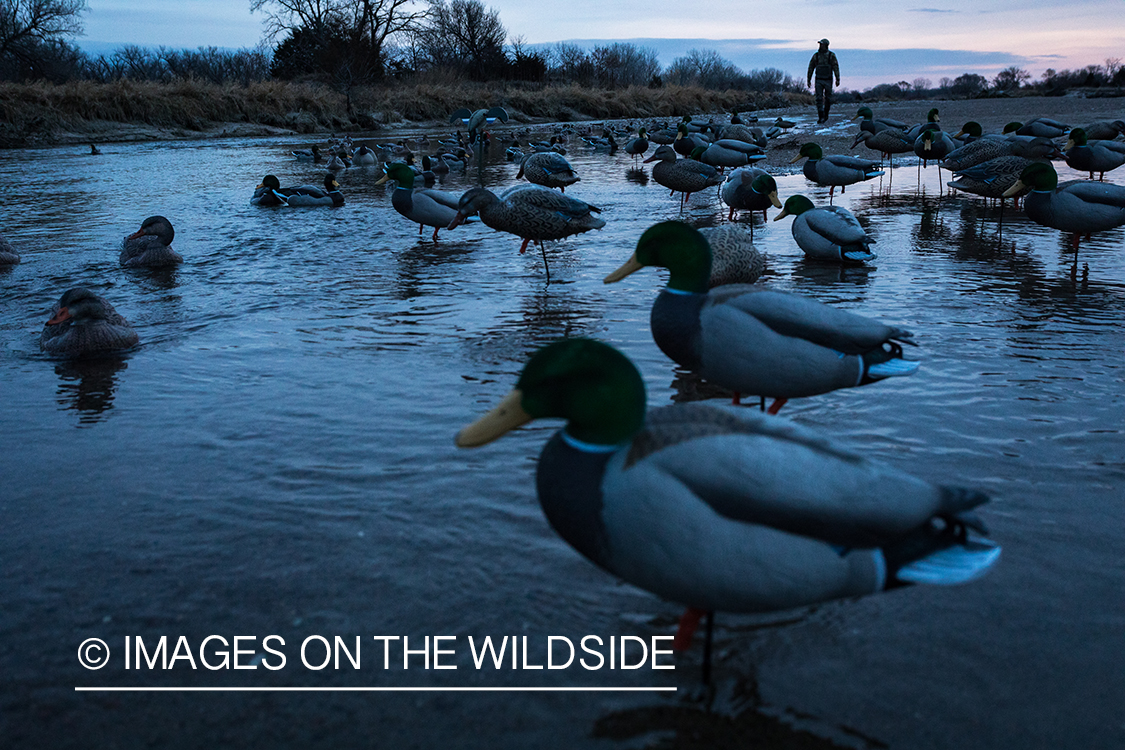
pixel 801 317
pixel 441 197
pixel 837 224
pixel 760 469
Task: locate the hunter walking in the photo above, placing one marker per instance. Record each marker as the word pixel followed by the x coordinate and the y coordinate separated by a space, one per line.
pixel 823 64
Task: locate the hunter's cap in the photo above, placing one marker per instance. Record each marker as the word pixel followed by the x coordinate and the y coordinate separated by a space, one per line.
pixel 823 41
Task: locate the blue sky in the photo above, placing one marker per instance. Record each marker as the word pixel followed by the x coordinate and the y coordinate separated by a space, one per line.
pixel 877 41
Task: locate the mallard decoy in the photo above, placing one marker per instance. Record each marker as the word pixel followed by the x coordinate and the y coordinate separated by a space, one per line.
pixel 931 123
pixel 869 123
pixel 754 340
pixel 270 193
pixel 721 509
pixel 744 133
pixel 8 256
pixel 686 142
pixel 830 233
pixel 782 123
pixel 530 212
pixel 728 152
pixel 993 178
pixel 835 170
pixel 313 154
pixel 429 208
pixel 1041 127
pixel 734 259
pixel 933 145
pixel 637 146
pixel 1093 156
pixel 1104 130
pixel 94 150
pixel 681 175
pixel 364 157
pixel 1079 206
pixel 749 189
pixel 150 246
pixel 85 323
pixel 548 169
pixel 888 142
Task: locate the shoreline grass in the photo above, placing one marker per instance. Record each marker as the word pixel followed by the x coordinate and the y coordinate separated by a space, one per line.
pixel 44 114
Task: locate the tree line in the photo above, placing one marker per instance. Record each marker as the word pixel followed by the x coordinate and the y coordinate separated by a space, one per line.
pixel 353 42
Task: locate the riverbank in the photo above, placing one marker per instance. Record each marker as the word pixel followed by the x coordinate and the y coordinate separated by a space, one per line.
pixel 44 114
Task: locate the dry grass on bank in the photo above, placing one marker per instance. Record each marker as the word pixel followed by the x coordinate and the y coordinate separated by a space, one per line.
pixel 38 113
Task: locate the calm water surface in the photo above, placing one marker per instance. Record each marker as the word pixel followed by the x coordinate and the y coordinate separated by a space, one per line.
pixel 277 458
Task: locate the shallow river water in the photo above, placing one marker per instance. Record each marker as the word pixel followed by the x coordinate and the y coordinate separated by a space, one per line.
pixel 276 457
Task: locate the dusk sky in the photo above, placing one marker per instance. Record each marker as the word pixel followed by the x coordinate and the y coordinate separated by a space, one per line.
pixel 876 41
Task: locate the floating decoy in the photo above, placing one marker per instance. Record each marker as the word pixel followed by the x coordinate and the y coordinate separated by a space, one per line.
pixel 1093 156
pixel 835 170
pixel 429 208
pixel 8 256
pixel 313 154
pixel 1079 206
pixel 530 212
pixel 270 193
pixel 364 157
pixel 830 233
pixel 85 323
pixel 754 340
pixel 749 189
pixel 94 150
pixel 548 169
pixel 150 246
pixel 681 175
pixel 721 509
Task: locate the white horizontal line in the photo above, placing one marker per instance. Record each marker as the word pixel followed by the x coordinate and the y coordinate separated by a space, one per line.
pixel 370 689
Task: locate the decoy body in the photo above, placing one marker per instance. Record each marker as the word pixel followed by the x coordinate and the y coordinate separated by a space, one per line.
pixel 682 175
pixel 1104 130
pixel 1079 206
pixel 85 323
pixel 364 157
pixel 835 171
pixel 530 212
pixel 752 339
pixel 728 152
pixel 723 509
pixel 734 259
pixel 313 154
pixel 549 169
pixel 8 256
pixel 270 193
pixel 150 246
pixel 430 208
pixel 831 233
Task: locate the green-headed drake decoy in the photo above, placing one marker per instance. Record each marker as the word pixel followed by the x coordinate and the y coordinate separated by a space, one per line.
pixel 835 171
pixel 749 189
pixel 723 509
pixel 754 340
pixel 85 323
pixel 1079 206
pixel 870 123
pixel 150 246
pixel 429 208
pixel 830 233
pixel 270 193
pixel 1093 156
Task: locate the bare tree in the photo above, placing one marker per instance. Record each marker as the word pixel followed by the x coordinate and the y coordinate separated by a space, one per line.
pixel 466 35
pixel 28 27
pixel 705 68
